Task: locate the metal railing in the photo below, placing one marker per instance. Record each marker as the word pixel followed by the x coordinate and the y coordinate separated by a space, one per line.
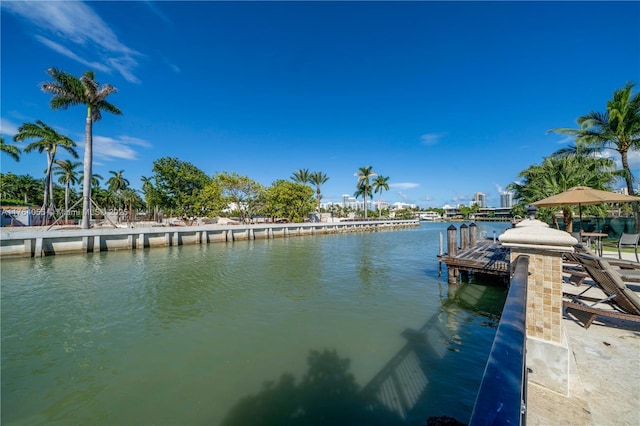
pixel 502 395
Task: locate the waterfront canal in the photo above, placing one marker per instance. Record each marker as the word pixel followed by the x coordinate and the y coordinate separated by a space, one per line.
pixel 304 330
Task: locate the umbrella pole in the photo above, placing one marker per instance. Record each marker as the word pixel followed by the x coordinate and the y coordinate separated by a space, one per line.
pixel 580 211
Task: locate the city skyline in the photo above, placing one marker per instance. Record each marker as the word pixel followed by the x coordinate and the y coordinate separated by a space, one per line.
pixel 445 98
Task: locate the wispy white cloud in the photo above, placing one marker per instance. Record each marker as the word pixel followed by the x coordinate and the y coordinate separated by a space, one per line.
pixel 172 66
pixel 431 138
pixel 7 127
pixel 566 140
pixel 157 11
pixel 74 30
pixel 403 185
pixel 461 198
pixel 402 195
pixel 633 157
pixel 69 54
pixel 109 149
pixel 634 161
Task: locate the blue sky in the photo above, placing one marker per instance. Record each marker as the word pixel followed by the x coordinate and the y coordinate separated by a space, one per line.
pixel 444 98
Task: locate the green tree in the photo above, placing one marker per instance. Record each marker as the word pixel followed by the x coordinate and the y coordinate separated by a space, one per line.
pixel 290 200
pixel 68 90
pixel 177 185
pixel 361 192
pixel 132 201
pixel 380 183
pixel 617 128
pixel 241 192
pixel 151 195
pixel 9 187
pixel 67 175
pixel 317 179
pixel 211 202
pixel 48 141
pixel 30 189
pixel 116 184
pixel 557 174
pixel 11 150
pixel 302 176
pixel 363 185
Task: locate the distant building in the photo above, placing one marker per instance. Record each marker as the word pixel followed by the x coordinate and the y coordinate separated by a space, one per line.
pixel 506 200
pixel 400 206
pixel 480 200
pixel 379 205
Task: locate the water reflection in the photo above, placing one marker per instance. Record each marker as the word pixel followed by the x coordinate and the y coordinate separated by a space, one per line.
pixel 437 353
pixel 327 395
pixel 371 265
pixel 403 391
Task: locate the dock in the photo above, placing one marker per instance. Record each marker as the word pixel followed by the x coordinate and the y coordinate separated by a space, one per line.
pixel 486 257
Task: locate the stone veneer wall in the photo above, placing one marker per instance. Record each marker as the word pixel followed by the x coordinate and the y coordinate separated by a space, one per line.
pixel 544 289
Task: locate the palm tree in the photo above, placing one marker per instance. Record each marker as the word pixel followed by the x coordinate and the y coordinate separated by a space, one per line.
pixel 364 175
pixel 618 128
pixel 66 170
pixel 29 188
pixel 117 183
pixel 380 183
pixel 317 179
pixel 133 200
pixel 11 150
pixel 360 192
pixel 95 186
pixel 68 90
pixel 301 176
pixel 48 141
pixel 557 174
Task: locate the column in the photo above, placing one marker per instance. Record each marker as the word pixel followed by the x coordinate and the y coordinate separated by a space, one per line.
pixel 547 349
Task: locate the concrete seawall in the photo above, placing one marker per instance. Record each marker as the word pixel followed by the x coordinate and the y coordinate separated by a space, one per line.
pixel 37 241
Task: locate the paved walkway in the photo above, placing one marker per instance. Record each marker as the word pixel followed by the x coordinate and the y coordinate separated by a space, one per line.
pixel 604 375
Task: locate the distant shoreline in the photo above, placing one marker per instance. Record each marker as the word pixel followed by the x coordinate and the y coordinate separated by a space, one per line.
pixel 38 241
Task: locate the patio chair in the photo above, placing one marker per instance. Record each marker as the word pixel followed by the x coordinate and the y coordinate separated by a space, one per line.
pixel 618 302
pixel 627 241
pixel 629 270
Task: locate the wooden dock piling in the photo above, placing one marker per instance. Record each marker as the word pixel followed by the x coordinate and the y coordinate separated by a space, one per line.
pixel 477 257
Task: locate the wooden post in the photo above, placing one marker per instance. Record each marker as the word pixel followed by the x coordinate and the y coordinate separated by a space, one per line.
pixel 473 234
pixel 452 251
pixel 464 244
pixel 464 237
pixel 452 243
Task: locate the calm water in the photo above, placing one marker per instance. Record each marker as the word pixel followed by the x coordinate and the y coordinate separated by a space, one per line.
pixel 335 329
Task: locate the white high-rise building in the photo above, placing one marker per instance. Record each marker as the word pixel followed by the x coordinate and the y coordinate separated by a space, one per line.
pixel 506 200
pixel 480 199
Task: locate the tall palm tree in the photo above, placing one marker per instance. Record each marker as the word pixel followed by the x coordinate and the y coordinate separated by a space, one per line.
pixel 364 175
pixel 317 179
pixel 360 192
pixel 380 183
pixel 617 128
pixel 66 170
pixel 68 90
pixel 302 176
pixel 48 141
pixel 11 150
